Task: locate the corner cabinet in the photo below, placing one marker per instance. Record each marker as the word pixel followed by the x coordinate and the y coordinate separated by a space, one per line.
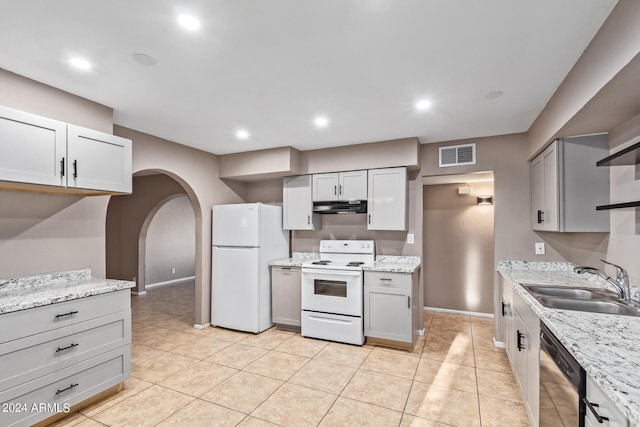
pixel 387 199
pixel 297 204
pixel 285 297
pixel 391 308
pixel 566 186
pixel 38 151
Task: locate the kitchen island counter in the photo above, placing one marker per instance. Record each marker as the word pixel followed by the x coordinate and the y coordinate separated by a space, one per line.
pixel 44 289
pixel 605 345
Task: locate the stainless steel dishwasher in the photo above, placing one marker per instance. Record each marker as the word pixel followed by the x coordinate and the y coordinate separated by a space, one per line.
pixel 562 384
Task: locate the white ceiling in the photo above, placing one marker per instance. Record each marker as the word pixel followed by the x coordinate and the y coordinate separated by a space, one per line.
pixel 271 66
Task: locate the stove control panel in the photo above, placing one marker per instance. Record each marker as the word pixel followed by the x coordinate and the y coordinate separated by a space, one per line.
pixel 348 246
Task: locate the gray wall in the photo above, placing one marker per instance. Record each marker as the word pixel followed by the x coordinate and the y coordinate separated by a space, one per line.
pixel 458 248
pixel 171 242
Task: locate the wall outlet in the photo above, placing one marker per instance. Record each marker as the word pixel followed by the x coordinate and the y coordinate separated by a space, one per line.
pixel 173 270
pixel 411 238
pixel 540 250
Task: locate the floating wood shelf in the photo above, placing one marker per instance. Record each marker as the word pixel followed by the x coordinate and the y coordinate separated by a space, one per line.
pixel 618 206
pixel 628 156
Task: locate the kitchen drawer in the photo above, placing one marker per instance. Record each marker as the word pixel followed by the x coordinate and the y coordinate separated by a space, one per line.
pixel 68 386
pixel 34 356
pixel 23 323
pixel 387 280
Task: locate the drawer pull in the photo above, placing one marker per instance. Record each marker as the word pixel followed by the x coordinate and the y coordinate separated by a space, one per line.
pixel 592 407
pixel 67 389
pixel 59 349
pixel 71 313
pixel 384 279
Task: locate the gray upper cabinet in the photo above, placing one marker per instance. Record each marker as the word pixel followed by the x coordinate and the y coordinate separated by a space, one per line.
pixel 98 161
pixel 35 150
pixel 387 201
pixel 350 185
pixel 32 148
pixel 566 186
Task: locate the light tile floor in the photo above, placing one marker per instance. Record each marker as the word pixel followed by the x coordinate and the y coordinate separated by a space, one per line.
pixel 216 377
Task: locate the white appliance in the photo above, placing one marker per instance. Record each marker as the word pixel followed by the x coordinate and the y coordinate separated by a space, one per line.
pixel 332 291
pixel 245 237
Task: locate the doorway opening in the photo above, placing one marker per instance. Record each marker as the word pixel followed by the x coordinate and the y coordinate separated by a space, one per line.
pixel 458 243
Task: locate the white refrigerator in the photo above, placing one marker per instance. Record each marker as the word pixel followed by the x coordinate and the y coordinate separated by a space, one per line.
pixel 245 238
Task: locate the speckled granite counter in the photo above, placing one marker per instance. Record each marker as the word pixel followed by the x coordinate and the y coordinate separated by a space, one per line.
pixel 34 291
pixel 607 346
pixel 296 259
pixel 394 264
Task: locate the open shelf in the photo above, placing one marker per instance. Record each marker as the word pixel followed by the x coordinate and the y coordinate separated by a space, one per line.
pixel 618 206
pixel 628 156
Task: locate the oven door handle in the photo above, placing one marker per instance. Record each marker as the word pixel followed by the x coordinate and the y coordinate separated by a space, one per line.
pixel 318 272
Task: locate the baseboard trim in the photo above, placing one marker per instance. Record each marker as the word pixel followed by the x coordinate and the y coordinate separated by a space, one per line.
pixel 170 282
pixel 468 313
pixel 498 344
pixel 139 294
pixel 200 327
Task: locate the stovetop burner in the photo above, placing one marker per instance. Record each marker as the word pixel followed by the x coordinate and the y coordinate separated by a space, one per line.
pixel 323 262
pixel 355 264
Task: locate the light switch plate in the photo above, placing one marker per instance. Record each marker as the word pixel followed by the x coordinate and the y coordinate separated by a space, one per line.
pixel 411 238
pixel 540 249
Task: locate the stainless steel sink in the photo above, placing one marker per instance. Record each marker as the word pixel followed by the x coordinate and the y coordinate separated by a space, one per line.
pixel 580 299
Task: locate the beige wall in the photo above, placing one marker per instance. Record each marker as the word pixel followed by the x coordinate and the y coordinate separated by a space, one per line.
pixel 171 242
pixel 38 232
pixel 458 265
pixel 126 216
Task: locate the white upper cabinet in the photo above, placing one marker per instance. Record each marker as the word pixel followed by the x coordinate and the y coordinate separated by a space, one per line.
pixel 387 199
pixel 297 205
pixel 566 186
pixel 35 150
pixel 98 161
pixel 350 185
pixel 32 148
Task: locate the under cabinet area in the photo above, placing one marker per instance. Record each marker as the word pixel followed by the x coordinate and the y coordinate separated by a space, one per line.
pixel 391 308
pixel 350 185
pixel 297 204
pixel 285 297
pixel 62 354
pixel 37 151
pixel 566 186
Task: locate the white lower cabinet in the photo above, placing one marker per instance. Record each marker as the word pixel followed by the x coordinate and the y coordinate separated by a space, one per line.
pixel 601 407
pixel 285 297
pixel 391 308
pixel 58 355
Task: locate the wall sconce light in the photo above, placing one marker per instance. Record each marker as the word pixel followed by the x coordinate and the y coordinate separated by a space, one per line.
pixel 485 200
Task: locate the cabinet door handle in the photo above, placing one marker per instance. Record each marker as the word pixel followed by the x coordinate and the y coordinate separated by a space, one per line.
pixel 335 190
pixel 369 218
pixel 592 407
pixel 62 168
pixel 75 169
pixel 408 301
pixel 519 343
pixel 504 306
pixel 540 216
pixel 59 349
pixel 340 188
pixel 308 219
pixel 66 389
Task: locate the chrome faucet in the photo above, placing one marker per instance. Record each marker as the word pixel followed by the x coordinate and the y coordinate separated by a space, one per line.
pixel 621 283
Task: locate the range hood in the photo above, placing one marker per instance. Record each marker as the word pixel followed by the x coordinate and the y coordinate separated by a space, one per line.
pixel 338 207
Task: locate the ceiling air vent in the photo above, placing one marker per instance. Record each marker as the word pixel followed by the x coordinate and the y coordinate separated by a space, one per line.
pixel 458 155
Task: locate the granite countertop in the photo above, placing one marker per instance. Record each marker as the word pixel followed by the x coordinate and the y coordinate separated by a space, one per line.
pixel 606 345
pixel 34 291
pixel 386 263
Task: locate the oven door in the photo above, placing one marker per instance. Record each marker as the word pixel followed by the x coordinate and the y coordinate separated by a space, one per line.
pixel 332 291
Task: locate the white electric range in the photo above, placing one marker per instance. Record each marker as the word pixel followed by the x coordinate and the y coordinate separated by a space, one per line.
pixel 332 291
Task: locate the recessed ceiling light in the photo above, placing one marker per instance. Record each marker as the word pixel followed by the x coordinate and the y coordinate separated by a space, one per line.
pixel 494 94
pixel 144 59
pixel 189 22
pixel 79 63
pixel 242 134
pixel 321 122
pixel 423 104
